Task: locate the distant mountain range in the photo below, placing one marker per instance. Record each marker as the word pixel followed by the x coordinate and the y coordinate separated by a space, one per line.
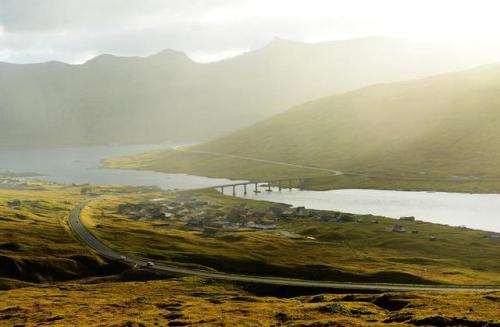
pixel 167 96
pixel 443 126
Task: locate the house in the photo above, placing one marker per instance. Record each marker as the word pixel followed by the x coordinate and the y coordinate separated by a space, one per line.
pixel 300 212
pixel 396 229
pixel 494 236
pixel 409 218
pixel 254 225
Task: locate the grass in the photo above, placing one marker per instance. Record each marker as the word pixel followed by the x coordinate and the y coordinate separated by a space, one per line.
pixel 359 250
pixel 192 301
pixel 57 283
pixel 219 166
pixel 35 242
pixel 439 133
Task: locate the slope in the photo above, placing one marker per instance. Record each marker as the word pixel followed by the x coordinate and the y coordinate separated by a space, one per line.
pixel 169 97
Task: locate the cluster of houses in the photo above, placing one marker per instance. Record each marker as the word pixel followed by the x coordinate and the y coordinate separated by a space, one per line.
pixel 190 213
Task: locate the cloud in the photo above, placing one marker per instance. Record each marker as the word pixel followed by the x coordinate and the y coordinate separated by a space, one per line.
pixel 73 30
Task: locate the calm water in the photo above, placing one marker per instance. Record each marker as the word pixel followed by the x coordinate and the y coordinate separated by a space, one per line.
pixel 81 165
pixel 481 211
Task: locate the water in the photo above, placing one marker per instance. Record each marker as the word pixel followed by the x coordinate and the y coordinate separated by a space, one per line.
pixel 81 165
pixel 479 211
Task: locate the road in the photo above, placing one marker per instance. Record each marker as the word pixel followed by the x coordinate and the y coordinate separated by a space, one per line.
pixel 332 171
pixel 85 236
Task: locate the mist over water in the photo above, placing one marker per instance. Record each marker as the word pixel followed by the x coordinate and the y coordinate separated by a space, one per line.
pixel 81 165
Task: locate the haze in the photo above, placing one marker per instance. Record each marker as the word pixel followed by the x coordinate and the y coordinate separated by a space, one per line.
pixel 249 163
pixel 75 31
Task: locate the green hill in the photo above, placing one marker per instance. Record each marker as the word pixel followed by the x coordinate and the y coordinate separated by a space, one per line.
pixel 443 130
pixel 167 96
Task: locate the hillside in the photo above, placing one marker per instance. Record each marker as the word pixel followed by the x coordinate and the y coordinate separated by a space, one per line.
pixel 443 128
pixel 113 99
pixel 48 278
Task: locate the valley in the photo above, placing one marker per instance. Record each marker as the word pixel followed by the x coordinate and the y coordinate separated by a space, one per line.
pixel 244 236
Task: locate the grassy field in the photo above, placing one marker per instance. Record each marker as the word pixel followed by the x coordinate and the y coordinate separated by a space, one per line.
pixel 199 302
pixel 438 133
pixel 48 278
pixel 35 245
pixel 357 250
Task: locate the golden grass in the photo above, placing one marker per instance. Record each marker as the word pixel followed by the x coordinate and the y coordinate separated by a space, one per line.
pixel 193 301
pixel 357 250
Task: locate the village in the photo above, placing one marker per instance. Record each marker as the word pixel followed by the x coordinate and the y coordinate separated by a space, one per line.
pixel 189 213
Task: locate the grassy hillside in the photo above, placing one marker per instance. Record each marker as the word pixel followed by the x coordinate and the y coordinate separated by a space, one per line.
pixel 168 96
pixel 435 133
pixel 35 244
pixel 48 278
pixel 359 248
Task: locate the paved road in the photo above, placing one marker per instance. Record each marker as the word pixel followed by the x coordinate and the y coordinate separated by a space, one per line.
pixel 90 240
pixel 220 154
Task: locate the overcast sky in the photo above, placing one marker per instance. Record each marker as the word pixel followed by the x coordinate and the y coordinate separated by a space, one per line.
pixel 76 30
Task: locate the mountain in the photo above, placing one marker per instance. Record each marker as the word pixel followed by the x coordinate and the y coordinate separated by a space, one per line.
pixel 168 96
pixel 442 127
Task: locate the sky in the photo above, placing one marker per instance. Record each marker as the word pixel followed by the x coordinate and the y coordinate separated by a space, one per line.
pixel 74 31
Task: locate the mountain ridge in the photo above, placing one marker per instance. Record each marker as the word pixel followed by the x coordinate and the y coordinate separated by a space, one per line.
pixel 167 96
pixel 435 133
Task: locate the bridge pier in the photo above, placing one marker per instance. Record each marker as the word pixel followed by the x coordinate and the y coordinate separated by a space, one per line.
pixel 222 189
pixel 256 189
pixel 279 186
pixel 269 187
pixel 244 189
pixel 234 190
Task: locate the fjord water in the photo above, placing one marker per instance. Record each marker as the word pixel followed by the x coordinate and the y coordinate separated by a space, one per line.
pixel 81 165
pixel 478 211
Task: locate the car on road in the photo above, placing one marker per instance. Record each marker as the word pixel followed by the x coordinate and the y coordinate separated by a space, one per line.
pixel 123 258
pixel 150 264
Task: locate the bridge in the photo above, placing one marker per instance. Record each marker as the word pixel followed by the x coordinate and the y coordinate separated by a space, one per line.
pixel 281 184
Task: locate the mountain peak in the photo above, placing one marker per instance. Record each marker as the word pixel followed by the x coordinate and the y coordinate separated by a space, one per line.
pixel 102 58
pixel 170 54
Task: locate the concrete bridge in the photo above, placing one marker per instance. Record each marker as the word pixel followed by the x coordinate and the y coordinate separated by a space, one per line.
pixel 281 184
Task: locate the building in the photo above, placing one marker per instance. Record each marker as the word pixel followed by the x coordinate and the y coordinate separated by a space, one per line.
pixel 396 229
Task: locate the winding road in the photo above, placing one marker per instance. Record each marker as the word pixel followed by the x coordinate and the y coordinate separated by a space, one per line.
pixel 86 237
pixel 280 163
